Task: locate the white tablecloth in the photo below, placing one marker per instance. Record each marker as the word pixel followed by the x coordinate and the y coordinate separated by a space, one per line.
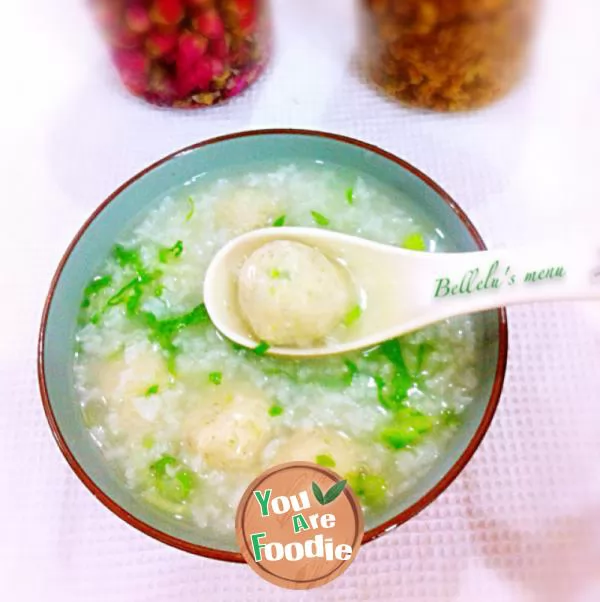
pixel 522 522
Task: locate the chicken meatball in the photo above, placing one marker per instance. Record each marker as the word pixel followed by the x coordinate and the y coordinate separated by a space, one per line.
pixel 292 294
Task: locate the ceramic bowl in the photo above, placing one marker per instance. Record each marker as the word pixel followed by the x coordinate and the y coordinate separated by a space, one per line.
pixel 94 241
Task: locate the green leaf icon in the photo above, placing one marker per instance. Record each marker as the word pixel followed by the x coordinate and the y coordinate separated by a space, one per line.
pixel 331 495
pixel 335 491
pixel 318 493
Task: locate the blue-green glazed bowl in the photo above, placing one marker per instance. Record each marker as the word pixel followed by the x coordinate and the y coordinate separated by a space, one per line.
pixel 92 245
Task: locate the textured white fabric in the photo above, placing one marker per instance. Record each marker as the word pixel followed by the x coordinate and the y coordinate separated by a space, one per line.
pixel 522 523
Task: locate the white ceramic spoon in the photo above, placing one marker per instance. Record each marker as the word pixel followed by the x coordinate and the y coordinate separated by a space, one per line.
pixel 407 290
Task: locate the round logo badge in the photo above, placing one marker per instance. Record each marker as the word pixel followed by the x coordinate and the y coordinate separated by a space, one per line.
pixel 299 525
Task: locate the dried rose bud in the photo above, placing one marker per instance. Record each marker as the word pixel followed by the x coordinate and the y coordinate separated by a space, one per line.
pixel 247 23
pixel 159 44
pixel 218 48
pixel 243 7
pixel 167 12
pixel 218 66
pixel 133 69
pixel 124 38
pixel 200 3
pixel 194 78
pixel 161 85
pixel 190 50
pixel 137 18
pixel 209 24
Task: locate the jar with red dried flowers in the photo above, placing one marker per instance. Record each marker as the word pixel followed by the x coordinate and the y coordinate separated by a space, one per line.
pixel 186 53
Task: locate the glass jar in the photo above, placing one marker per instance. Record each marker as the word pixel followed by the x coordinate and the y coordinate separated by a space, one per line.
pixel 186 53
pixel 446 55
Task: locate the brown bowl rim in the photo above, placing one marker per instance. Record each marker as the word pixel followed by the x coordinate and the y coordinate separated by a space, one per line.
pixel 370 535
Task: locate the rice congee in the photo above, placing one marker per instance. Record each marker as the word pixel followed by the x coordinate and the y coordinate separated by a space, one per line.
pixel 187 418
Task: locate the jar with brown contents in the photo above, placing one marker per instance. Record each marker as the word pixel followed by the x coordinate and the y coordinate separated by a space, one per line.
pixel 446 55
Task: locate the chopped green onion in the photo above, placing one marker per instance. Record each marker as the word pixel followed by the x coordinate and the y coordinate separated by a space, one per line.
pixel 280 221
pixel 159 290
pixel 409 427
pixel 353 315
pixel 215 377
pixel 175 485
pixel 325 460
pixel 164 331
pixel 415 242
pixel 277 274
pixel 148 442
pixel 96 285
pixel 262 348
pixel 370 488
pixel 350 195
pixel 128 257
pixel 124 293
pixel 275 410
pixel 319 218
pixel 352 370
pixel 166 253
pixel 192 208
pixel 153 390
pixel 401 381
pixel 159 468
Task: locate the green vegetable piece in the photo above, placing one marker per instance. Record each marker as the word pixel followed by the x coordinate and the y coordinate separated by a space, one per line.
pixel 353 315
pixel 415 242
pixel 399 437
pixel 402 381
pixel 96 285
pixel 186 480
pixel 262 348
pixel 325 460
pixel 172 489
pixel 159 290
pixel 277 274
pixel 148 442
pixel 391 350
pixel 175 485
pixel 319 218
pixel 192 209
pixel 275 410
pixel 164 331
pixel 350 195
pixel 125 293
pixel 409 427
pixel 159 468
pixel 165 254
pixel 128 257
pixel 370 488
pixel 280 221
pixel 215 377
pixel 153 390
pixel 351 371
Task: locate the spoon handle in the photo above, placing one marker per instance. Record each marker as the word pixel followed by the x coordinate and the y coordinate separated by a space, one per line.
pixel 461 283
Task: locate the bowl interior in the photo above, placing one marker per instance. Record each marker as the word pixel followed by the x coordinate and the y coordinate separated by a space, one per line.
pixel 94 243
